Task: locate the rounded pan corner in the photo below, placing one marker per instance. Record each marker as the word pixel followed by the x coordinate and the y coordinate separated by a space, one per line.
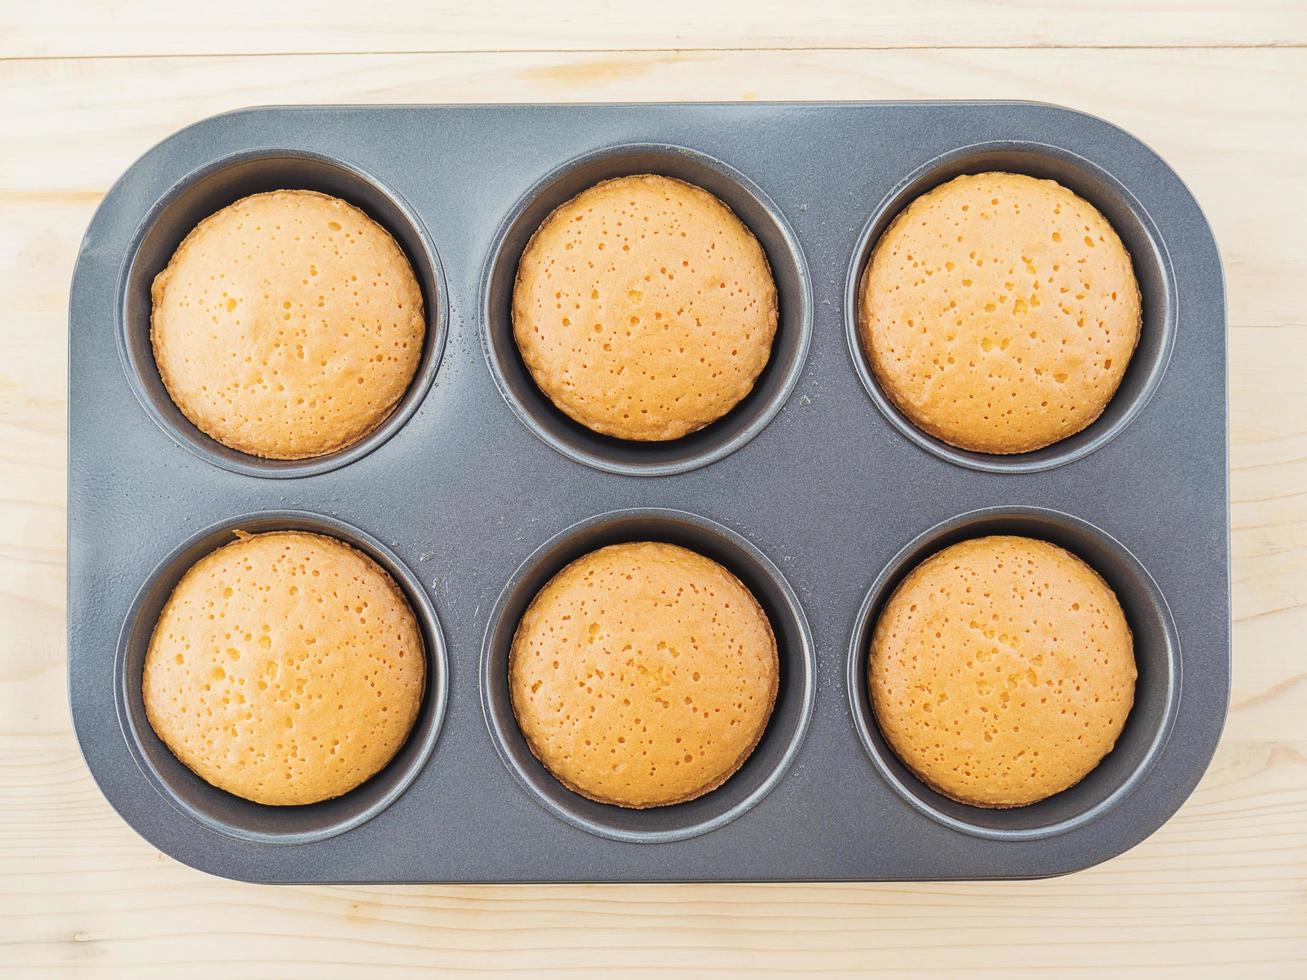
pixel 1155 158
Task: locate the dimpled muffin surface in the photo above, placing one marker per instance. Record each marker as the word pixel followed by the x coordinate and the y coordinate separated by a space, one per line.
pixel 1002 670
pixel 643 674
pixel 999 312
pixel 287 325
pixel 644 308
pixel 286 668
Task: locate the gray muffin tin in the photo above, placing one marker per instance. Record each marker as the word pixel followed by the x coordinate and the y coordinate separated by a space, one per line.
pixel 814 490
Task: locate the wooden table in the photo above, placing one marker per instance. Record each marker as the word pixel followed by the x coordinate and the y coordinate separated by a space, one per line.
pixel 1219 89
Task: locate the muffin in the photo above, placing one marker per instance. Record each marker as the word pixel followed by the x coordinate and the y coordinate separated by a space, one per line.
pixel 286 668
pixel 643 674
pixel 287 325
pixel 1002 671
pixel 999 312
pixel 644 308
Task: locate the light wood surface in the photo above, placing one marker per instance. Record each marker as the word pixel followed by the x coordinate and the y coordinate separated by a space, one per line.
pixel 1218 88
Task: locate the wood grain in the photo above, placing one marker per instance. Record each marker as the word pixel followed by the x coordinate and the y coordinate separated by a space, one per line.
pixel 133 27
pixel 1222 887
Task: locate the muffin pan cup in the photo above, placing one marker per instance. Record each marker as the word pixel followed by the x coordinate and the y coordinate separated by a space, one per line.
pixel 1156 693
pixel 817 495
pixel 208 189
pixel 770 758
pixel 771 389
pixel 227 814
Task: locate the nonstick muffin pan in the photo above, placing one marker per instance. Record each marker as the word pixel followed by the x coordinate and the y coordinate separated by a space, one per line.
pixel 814 490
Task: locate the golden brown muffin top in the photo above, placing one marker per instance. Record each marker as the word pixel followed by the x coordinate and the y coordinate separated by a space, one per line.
pixel 285 668
pixel 643 674
pixel 1002 670
pixel 644 308
pixel 999 312
pixel 287 325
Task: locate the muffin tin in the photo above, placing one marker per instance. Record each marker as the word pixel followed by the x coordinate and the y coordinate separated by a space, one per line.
pixel 814 491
